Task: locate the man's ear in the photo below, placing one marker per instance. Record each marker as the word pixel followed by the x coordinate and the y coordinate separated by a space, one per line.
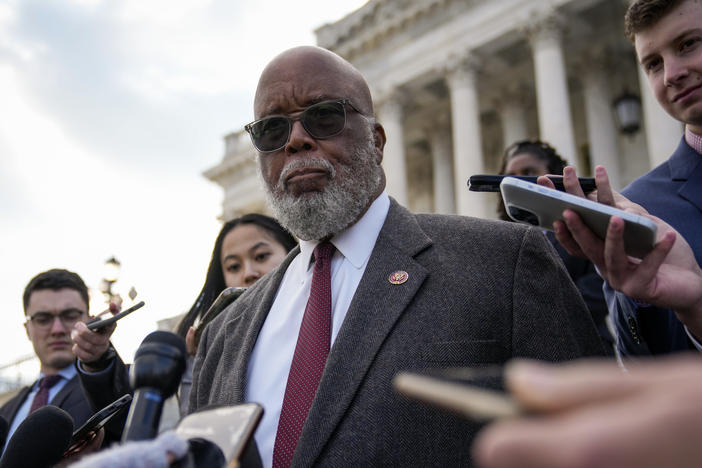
pixel 379 140
pixel 27 331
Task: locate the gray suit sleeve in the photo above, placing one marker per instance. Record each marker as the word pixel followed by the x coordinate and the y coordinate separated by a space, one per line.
pixel 564 330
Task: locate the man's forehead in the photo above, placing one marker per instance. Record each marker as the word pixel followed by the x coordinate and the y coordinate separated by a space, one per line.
pixel 676 23
pixel 45 300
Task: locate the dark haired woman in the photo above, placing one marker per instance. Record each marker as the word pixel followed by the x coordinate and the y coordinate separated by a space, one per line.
pixel 246 248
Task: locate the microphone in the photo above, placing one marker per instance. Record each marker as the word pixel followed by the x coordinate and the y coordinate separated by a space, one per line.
pixel 158 366
pixel 39 440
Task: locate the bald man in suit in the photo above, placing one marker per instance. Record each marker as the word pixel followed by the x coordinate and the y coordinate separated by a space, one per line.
pixel 408 292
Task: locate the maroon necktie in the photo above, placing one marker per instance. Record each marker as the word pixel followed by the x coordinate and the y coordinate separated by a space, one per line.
pixel 42 396
pixel 311 352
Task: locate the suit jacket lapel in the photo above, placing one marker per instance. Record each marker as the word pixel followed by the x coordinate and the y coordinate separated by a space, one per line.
pixel 65 392
pixel 241 337
pixel 17 402
pixel 692 189
pixel 375 308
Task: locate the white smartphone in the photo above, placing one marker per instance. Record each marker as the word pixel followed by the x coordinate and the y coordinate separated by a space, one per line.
pixel 534 204
pixel 471 401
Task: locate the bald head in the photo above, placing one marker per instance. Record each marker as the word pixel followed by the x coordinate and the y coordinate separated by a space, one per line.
pixel 306 74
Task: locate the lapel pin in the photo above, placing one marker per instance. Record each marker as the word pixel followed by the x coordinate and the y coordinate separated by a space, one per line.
pixel 398 277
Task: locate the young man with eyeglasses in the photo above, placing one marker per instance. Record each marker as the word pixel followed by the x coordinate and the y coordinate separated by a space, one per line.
pixel 54 301
pixel 372 290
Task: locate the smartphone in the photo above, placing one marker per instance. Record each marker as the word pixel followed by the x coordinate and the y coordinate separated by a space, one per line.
pixel 534 204
pixel 472 401
pixel 228 427
pixel 87 431
pixel 491 183
pixel 96 323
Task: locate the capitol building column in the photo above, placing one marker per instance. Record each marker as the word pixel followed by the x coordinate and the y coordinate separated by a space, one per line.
pixel 513 117
pixel 391 118
pixel 439 138
pixel 663 132
pixel 555 119
pixel 601 126
pixel 467 142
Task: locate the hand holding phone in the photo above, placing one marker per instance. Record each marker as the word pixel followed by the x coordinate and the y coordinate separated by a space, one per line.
pixel 87 431
pixel 537 205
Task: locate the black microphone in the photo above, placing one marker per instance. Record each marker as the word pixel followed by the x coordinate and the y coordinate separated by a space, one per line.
pixel 39 440
pixel 158 366
pixel 4 429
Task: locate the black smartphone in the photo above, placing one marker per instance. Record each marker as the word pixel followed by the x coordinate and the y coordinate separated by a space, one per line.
pixel 491 183
pixel 87 431
pixel 97 323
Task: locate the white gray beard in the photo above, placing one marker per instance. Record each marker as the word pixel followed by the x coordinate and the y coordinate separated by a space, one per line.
pixel 320 215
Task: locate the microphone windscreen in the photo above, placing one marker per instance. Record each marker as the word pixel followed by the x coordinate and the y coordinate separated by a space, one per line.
pixel 40 440
pixel 167 338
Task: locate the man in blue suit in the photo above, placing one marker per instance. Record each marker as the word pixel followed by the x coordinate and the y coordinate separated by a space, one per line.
pixel 668 40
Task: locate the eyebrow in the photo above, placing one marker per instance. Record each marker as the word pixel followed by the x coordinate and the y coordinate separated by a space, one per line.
pixel 675 40
pixel 70 309
pixel 252 249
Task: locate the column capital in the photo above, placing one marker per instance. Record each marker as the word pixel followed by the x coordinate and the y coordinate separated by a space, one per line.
pixel 462 69
pixel 391 102
pixel 545 26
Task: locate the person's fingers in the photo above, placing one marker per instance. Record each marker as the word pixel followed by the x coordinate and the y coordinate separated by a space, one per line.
pixel 564 237
pixel 545 181
pixel 546 387
pixel 646 430
pixel 605 194
pixel 617 264
pixel 591 245
pixel 571 182
pixel 542 387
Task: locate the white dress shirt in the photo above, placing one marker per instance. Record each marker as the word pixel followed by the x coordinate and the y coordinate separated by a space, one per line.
pixel 272 355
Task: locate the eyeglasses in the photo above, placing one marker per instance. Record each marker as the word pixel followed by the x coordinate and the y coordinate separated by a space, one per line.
pixel 322 120
pixel 45 320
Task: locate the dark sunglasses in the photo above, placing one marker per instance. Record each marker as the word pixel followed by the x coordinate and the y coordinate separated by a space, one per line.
pixel 322 120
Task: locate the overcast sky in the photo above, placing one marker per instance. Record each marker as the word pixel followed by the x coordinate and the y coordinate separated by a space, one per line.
pixel 110 110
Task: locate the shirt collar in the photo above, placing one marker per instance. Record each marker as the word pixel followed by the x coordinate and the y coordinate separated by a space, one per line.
pixel 693 139
pixel 67 372
pixel 356 242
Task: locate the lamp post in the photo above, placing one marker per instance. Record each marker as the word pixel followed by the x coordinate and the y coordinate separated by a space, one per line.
pixel 627 108
pixel 110 276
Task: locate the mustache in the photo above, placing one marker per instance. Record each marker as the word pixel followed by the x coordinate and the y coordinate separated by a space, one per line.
pixel 315 163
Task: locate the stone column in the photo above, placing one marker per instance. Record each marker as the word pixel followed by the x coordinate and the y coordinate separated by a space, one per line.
pixel 662 131
pixel 513 116
pixel 601 125
pixel 439 137
pixel 467 143
pixel 391 118
pixel 553 101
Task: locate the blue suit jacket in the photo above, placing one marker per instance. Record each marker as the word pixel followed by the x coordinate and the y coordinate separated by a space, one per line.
pixel 673 192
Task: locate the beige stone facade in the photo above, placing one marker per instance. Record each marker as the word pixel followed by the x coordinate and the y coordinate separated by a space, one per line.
pixel 455 81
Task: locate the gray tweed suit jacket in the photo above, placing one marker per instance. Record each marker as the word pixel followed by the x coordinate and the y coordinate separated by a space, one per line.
pixel 479 292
